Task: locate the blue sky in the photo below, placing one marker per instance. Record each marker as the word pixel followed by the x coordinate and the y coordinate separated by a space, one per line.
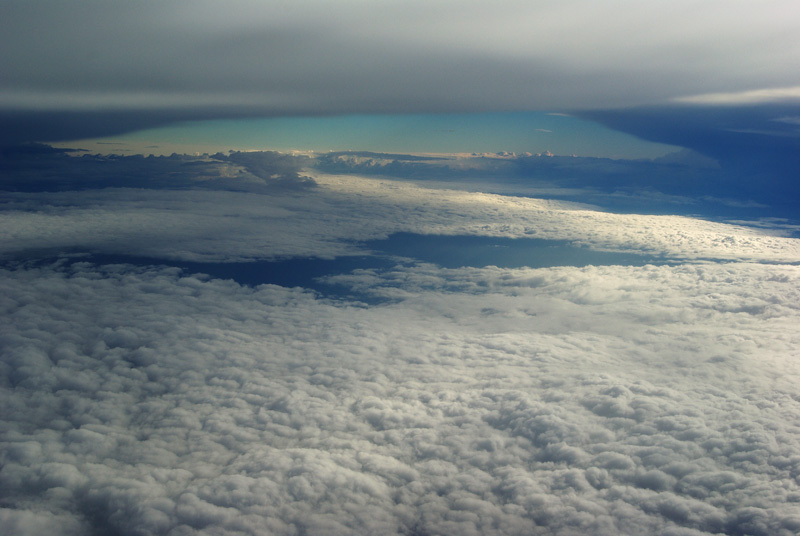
pixel 520 132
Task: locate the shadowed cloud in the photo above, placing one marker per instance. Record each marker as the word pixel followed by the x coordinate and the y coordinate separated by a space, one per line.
pixel 128 67
pixel 757 146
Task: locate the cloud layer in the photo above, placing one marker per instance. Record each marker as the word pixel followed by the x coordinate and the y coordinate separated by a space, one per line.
pixel 160 62
pixel 481 402
pixel 756 145
pixel 598 400
pixel 330 218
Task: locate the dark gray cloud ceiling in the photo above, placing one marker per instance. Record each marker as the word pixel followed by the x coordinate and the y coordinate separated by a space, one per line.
pixel 184 60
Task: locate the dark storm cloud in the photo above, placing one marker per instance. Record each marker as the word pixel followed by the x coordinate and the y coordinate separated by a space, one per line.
pixel 757 146
pixel 20 126
pixel 764 137
pixel 161 59
pixel 145 401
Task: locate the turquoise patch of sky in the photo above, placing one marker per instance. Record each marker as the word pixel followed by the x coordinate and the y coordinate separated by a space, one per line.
pixel 414 133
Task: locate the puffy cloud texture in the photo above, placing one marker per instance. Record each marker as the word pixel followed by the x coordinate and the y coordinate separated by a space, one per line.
pixel 597 400
pixel 480 401
pixel 331 218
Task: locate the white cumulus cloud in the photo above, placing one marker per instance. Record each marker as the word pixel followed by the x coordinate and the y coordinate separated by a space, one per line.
pixel 486 401
pixel 477 400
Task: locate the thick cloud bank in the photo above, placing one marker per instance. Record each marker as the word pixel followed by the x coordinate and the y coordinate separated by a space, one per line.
pixel 327 215
pixel 654 400
pixel 758 146
pixel 91 68
pixel 475 400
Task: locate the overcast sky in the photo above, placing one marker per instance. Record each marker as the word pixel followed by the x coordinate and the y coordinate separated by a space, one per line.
pixel 126 65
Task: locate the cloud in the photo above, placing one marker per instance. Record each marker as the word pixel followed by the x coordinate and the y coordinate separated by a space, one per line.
pixel 757 151
pixel 332 218
pixel 680 182
pixel 39 167
pixel 23 126
pixel 618 184
pixel 161 63
pixel 755 96
pixel 601 399
pixel 143 401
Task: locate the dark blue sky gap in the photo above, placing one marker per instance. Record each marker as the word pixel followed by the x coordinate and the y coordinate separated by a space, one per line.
pixel 400 248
